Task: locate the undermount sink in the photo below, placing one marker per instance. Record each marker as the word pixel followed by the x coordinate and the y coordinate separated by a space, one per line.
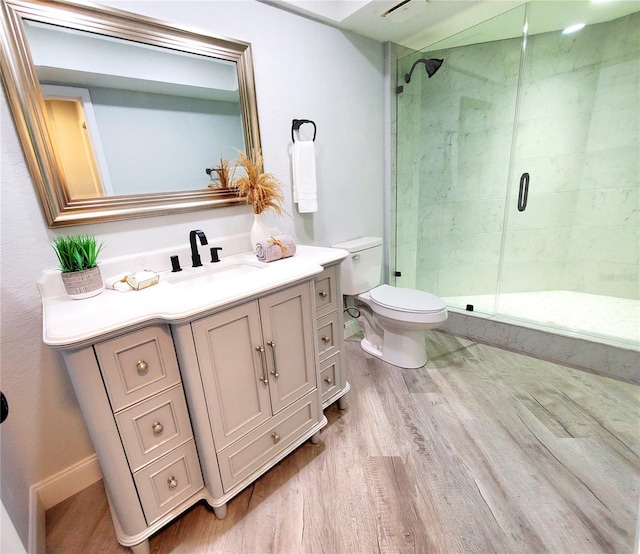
pixel 214 273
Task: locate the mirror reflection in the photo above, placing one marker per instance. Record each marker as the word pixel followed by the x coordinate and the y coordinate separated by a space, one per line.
pixel 129 118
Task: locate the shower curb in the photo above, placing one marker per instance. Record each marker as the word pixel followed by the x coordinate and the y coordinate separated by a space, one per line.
pixel 601 358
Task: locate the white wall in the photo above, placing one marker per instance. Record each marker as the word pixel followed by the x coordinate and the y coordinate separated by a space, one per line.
pixel 303 70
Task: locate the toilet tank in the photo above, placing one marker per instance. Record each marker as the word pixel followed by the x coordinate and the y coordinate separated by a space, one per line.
pixel 362 268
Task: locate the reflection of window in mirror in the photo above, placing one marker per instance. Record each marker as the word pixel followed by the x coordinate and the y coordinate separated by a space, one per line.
pixel 77 141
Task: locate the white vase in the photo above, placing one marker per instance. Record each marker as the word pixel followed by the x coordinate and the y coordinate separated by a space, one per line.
pixel 259 231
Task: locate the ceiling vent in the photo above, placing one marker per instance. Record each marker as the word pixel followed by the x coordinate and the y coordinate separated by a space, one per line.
pixel 404 10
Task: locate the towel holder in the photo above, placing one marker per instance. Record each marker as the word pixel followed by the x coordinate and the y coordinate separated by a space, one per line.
pixel 297 123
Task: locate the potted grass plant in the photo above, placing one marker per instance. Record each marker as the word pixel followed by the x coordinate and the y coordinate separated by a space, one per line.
pixel 78 257
pixel 262 190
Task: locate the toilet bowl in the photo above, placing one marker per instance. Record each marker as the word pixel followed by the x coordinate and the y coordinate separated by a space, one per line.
pixel 393 319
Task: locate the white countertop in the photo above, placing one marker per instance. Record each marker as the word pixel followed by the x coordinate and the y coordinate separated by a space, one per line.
pixel 69 323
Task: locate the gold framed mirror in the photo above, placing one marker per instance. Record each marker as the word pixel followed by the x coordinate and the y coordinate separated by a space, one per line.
pixel 153 110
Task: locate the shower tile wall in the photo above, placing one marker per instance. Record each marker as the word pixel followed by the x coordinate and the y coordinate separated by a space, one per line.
pixel 577 136
pixel 578 139
pixel 453 160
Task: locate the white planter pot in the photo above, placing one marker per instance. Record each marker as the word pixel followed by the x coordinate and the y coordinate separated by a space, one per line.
pixel 83 284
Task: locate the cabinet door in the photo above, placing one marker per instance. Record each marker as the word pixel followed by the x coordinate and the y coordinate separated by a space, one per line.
pixel 287 323
pixel 233 369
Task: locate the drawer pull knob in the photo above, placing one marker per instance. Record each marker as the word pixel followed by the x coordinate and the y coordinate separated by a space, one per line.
pixel 157 428
pixel 328 380
pixel 172 482
pixel 142 366
pixel 323 294
pixel 275 437
pixel 326 339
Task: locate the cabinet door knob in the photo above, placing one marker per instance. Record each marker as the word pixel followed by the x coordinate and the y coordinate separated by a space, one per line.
pixel 326 339
pixel 157 427
pixel 172 482
pixel 275 437
pixel 323 294
pixel 142 366
pixel 328 380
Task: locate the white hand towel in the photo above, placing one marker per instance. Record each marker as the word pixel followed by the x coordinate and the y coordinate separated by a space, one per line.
pixel 303 160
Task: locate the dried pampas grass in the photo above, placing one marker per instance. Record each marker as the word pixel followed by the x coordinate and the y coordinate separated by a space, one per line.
pixel 262 190
pixel 225 173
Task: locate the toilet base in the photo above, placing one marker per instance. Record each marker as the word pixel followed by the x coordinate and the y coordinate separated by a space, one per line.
pixel 406 350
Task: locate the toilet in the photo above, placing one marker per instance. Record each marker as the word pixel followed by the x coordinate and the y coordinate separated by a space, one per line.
pixel 393 319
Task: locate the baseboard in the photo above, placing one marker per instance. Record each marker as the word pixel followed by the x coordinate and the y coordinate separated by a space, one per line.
pixel 37 528
pixel 53 490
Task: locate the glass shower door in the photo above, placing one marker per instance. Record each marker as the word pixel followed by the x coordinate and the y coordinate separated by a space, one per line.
pixel 571 243
pixel 454 133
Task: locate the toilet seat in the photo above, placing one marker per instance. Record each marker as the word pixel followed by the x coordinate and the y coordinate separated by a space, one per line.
pixel 406 300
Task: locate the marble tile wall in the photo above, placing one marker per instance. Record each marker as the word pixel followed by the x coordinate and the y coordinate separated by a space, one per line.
pixel 453 161
pixel 576 135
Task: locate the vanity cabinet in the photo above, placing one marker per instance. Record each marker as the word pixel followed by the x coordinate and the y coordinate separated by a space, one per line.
pixel 253 365
pixel 131 393
pixel 141 376
pixel 258 374
pixel 191 393
pixel 330 338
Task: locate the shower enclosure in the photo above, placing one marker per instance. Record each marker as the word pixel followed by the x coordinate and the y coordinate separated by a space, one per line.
pixel 517 180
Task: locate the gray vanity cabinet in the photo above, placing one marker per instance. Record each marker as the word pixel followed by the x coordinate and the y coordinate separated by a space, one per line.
pixel 131 394
pixel 258 372
pixel 330 338
pixel 200 401
pixel 255 360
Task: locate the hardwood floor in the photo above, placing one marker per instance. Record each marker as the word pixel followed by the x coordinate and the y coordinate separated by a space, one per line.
pixel 481 451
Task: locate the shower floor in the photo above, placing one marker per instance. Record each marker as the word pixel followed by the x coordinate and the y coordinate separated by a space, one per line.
pixel 608 316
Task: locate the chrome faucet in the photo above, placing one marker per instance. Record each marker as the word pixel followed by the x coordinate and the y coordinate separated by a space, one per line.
pixel 195 257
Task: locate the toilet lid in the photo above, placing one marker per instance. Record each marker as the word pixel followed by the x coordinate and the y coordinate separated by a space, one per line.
pixel 406 300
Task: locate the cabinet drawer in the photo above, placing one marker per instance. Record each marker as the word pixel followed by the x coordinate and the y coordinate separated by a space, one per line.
pixel 330 372
pixel 328 338
pixel 169 481
pixel 247 455
pixel 154 427
pixel 327 299
pixel 138 365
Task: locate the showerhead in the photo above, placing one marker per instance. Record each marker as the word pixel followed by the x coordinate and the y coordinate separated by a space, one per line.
pixel 431 66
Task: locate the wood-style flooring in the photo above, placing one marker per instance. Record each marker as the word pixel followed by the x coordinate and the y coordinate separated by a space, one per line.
pixel 483 450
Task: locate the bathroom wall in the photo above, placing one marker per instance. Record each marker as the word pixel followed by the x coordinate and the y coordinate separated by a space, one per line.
pixel 303 69
pixel 577 136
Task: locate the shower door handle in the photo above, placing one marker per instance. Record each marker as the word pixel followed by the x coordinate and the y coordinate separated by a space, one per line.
pixel 523 192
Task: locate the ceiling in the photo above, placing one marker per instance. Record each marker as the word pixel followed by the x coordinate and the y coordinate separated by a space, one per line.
pixel 417 24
